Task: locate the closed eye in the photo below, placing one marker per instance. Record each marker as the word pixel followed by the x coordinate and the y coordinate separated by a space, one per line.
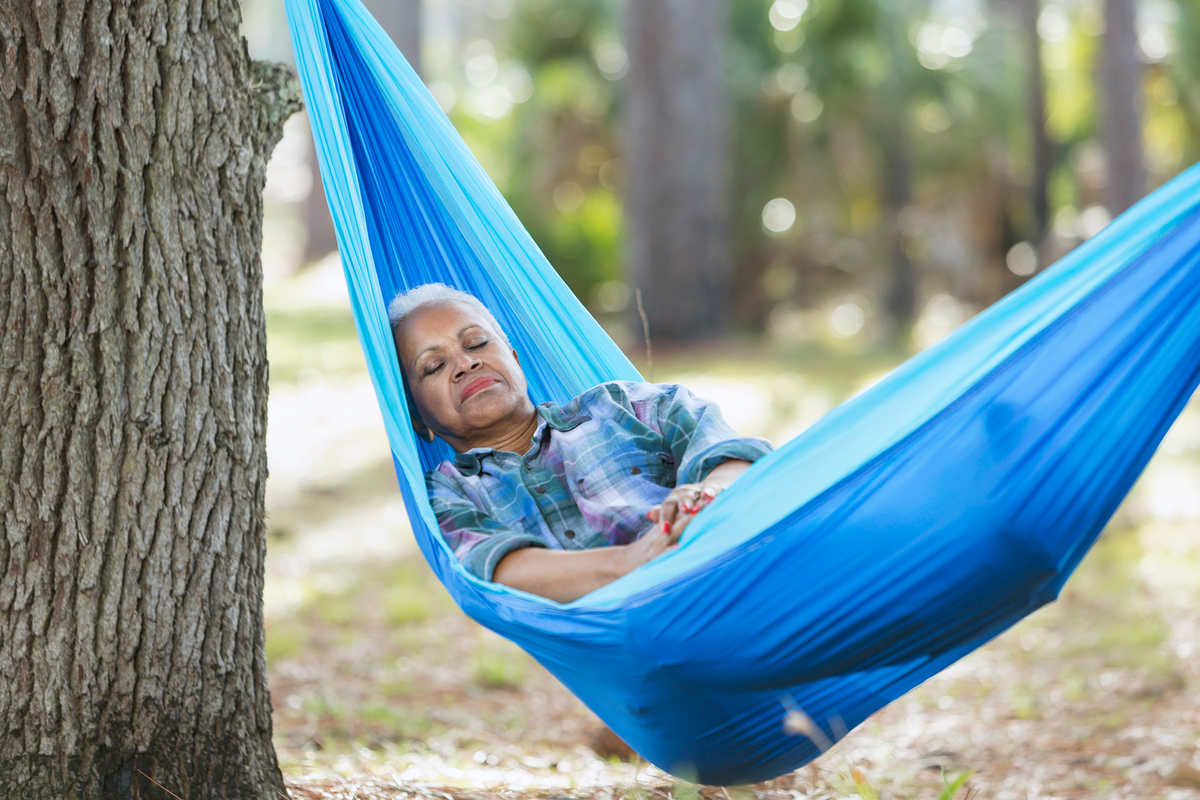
pixel 435 367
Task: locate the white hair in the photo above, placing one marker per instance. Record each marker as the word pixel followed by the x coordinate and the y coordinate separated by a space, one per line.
pixel 405 303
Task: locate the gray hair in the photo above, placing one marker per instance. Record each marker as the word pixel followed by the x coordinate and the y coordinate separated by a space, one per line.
pixel 433 293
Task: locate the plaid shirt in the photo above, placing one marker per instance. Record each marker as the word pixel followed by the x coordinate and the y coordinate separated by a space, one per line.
pixel 595 467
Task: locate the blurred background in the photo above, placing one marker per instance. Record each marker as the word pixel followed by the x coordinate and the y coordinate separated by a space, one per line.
pixel 791 196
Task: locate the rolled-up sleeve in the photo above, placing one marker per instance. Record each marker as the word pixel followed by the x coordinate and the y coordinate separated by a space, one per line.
pixel 699 437
pixel 478 540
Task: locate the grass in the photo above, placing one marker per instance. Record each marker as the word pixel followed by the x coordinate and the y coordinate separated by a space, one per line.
pixel 499 665
pixel 950 788
pixel 285 639
pixel 1127 630
pixel 851 780
pixel 405 603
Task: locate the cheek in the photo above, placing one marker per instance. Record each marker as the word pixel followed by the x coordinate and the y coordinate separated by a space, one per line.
pixel 516 377
pixel 429 401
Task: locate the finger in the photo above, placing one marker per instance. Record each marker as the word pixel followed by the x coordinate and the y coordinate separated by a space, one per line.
pixel 680 524
pixel 668 513
pixel 706 496
pixel 653 514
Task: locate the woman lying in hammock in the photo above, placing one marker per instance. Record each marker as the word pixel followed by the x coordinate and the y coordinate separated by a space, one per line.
pixel 554 500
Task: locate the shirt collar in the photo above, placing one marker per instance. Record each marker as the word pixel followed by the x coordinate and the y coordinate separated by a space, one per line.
pixel 553 416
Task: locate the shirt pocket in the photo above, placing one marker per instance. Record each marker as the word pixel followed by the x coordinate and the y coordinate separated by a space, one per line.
pixel 633 467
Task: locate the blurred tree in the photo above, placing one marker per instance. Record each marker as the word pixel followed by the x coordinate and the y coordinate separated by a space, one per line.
pixel 865 73
pixel 677 236
pixel 133 401
pixel 895 146
pixel 1176 93
pixel 1121 74
pixel 560 65
pixel 1035 80
pixel 402 21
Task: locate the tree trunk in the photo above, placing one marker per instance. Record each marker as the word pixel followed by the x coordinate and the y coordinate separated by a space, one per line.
pixel 678 249
pixel 1122 74
pixel 402 21
pixel 1036 87
pixel 902 290
pixel 133 399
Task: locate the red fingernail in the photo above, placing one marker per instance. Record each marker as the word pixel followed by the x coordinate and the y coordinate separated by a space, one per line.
pixel 666 527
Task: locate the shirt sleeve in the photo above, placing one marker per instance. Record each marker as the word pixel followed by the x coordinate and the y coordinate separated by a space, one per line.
pixel 478 540
pixel 699 437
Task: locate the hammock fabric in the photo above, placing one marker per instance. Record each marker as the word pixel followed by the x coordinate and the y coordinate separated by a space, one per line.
pixel 906 528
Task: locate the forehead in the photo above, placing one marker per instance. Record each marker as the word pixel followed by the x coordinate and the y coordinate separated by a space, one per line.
pixel 435 322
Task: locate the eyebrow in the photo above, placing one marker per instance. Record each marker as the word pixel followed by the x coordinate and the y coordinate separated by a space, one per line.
pixel 417 357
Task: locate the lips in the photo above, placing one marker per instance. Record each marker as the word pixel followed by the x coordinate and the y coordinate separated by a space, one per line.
pixel 475 386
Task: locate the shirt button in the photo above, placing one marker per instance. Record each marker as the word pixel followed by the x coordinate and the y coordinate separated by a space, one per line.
pixel 529 466
pixel 635 471
pixel 541 490
pixel 570 534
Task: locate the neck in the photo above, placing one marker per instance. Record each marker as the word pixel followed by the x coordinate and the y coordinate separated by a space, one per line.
pixel 513 434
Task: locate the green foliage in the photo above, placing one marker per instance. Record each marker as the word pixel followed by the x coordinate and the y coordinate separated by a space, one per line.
pixel 950 788
pixel 851 780
pixel 892 146
pixel 682 790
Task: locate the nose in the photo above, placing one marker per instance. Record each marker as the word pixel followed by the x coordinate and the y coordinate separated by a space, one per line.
pixel 464 362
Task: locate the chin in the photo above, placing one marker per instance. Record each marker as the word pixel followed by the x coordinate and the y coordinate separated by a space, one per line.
pixel 488 408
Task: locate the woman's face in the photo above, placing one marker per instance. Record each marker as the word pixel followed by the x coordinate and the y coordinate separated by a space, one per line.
pixel 466 384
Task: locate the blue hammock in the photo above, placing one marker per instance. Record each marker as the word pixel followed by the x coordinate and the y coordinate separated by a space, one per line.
pixel 905 529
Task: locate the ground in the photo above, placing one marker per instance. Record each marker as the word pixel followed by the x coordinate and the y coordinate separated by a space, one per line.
pixel 382 688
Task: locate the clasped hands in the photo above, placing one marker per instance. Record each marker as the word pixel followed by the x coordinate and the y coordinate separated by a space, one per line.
pixel 566 575
pixel 677 511
pixel 670 519
pixel 681 506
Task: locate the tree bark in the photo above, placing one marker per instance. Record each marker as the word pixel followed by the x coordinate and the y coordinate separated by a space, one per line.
pixel 1121 72
pixel 676 204
pixel 402 21
pixel 133 398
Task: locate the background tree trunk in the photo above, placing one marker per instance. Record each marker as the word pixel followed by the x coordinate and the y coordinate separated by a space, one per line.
pixel 1035 82
pixel 902 291
pixel 133 399
pixel 678 240
pixel 1121 73
pixel 402 21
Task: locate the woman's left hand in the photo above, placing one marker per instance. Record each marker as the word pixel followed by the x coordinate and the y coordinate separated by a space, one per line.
pixel 681 505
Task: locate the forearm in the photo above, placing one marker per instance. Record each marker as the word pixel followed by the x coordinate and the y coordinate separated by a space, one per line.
pixel 562 575
pixel 725 473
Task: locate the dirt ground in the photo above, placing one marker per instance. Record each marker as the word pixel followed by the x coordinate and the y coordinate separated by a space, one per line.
pixel 382 688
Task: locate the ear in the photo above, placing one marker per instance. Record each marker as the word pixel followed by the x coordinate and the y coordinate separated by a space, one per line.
pixel 423 430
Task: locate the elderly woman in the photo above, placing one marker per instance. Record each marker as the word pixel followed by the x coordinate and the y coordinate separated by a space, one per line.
pixel 554 500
